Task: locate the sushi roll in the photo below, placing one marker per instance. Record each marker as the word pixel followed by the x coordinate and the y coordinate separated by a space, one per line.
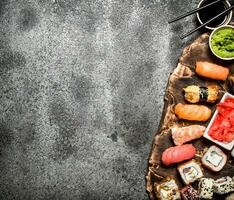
pixel 189 193
pixel 214 159
pixel 195 94
pixel 190 171
pixel 178 154
pixel 232 153
pixel 185 134
pixel 205 188
pixel 230 197
pixel 192 112
pixel 211 70
pixel 224 185
pixel 167 190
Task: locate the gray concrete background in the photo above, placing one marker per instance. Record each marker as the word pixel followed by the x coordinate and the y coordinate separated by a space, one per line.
pixel 81 94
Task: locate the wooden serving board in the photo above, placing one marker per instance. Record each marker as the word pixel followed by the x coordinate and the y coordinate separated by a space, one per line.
pixel 183 75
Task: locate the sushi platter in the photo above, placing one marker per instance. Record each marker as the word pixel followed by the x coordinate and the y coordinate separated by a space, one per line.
pixel 192 155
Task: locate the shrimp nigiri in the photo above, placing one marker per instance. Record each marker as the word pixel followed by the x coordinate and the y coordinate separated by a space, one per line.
pixel 212 71
pixel 178 154
pixel 184 134
pixel 192 112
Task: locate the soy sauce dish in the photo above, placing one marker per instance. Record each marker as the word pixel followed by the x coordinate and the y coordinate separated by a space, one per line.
pixel 221 42
pixel 212 11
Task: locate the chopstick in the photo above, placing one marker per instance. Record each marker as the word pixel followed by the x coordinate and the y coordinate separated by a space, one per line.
pixel 206 23
pixel 192 11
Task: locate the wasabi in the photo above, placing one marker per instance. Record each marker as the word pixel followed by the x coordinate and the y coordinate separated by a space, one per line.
pixel 222 42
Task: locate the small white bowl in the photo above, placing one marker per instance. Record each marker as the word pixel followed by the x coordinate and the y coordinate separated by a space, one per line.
pixel 227 19
pixel 210 38
pixel 229 145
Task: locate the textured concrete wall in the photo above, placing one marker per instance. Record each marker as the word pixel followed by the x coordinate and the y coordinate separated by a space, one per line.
pixel 81 94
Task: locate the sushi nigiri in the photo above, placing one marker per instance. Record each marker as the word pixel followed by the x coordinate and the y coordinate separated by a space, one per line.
pixel 195 94
pixel 192 112
pixel 184 134
pixel 178 154
pixel 211 70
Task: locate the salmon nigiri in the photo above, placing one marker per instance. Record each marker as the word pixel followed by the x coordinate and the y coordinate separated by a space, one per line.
pixel 212 71
pixel 185 134
pixel 192 112
pixel 178 154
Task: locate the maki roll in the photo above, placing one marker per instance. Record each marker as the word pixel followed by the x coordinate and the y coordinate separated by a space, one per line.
pixel 167 190
pixel 189 193
pixel 224 185
pixel 205 188
pixel 190 171
pixel 230 197
pixel 195 94
pixel 214 159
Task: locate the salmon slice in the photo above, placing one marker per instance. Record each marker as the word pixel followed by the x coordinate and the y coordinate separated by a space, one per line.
pixel 178 154
pixel 185 134
pixel 212 71
pixel 192 112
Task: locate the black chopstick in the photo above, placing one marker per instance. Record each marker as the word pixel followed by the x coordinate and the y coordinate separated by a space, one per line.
pixel 192 11
pixel 206 23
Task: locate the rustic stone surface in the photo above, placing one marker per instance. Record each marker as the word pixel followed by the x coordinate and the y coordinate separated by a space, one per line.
pixel 81 94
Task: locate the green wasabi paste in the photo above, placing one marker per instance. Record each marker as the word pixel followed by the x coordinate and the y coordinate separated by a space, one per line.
pixel 222 42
